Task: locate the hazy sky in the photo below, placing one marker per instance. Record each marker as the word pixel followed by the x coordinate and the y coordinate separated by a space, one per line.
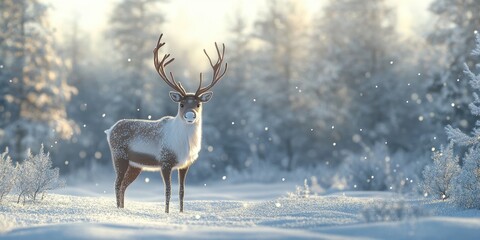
pixel 197 24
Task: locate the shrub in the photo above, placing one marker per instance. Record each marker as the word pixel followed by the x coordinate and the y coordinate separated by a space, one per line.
pixel 466 186
pixel 7 174
pixel 376 169
pixel 36 176
pixel 438 176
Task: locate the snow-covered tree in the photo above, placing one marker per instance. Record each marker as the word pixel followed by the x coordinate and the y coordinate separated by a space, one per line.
pixel 90 73
pixel 231 143
pixel 467 185
pixel 36 91
pixel 456 134
pixel 134 28
pixel 7 174
pixel 437 177
pixel 361 75
pixel 36 176
pixel 279 68
pixel 453 33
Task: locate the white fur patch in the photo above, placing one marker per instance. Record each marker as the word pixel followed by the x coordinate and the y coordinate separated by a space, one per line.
pixel 184 140
pixel 140 145
pixel 144 167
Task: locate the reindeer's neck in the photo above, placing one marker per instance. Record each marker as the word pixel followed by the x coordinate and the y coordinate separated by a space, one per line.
pixel 185 139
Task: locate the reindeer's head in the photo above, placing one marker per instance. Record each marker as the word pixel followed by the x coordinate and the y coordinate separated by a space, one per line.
pixel 189 104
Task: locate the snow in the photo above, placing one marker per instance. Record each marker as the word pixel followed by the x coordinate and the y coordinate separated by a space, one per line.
pixel 222 210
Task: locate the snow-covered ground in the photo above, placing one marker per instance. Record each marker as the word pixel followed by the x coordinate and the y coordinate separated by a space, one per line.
pixel 240 211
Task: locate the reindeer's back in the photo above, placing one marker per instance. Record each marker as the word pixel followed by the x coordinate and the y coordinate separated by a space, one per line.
pixel 126 130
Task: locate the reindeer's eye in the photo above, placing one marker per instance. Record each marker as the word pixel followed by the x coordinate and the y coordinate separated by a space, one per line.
pixel 181 105
pixel 198 104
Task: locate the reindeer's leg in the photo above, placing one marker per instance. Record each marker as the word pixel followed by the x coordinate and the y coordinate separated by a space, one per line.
pixel 121 166
pixel 182 173
pixel 131 174
pixel 166 174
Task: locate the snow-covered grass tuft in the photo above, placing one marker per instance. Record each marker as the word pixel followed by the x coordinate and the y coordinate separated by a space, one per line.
pixel 305 190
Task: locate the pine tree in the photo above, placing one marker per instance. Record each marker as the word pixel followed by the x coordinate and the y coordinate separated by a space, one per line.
pixel 360 78
pixel 135 27
pixel 36 91
pixel 280 67
pixel 438 175
pixel 453 34
pixel 236 90
pixel 467 184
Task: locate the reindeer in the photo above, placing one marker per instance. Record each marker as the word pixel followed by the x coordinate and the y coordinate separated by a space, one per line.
pixel 167 143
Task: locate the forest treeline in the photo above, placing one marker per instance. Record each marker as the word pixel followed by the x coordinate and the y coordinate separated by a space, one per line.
pixel 300 93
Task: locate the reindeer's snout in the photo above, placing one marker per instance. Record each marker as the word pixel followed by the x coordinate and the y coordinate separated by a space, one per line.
pixel 190 116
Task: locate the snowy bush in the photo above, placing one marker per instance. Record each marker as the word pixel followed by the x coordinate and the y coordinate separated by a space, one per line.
pixel 438 175
pixel 376 169
pixel 389 211
pixel 466 186
pixel 7 174
pixel 36 176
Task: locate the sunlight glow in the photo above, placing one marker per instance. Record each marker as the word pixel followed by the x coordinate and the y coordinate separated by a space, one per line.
pixel 197 24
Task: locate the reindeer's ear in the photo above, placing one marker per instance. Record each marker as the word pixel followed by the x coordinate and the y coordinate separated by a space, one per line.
pixel 205 97
pixel 175 96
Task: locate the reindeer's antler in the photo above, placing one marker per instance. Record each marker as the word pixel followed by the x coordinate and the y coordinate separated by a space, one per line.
pixel 217 70
pixel 160 66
